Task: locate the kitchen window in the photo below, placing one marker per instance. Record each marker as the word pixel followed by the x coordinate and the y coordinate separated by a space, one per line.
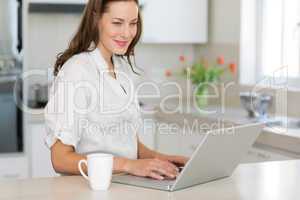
pixel 270 42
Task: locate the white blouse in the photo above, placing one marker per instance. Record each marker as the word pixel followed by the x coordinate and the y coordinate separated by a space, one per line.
pixel 91 110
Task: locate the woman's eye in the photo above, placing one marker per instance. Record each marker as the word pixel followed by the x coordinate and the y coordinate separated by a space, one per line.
pixel 133 24
pixel 117 23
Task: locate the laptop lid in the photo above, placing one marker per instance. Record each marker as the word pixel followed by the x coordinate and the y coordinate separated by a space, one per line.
pixel 218 154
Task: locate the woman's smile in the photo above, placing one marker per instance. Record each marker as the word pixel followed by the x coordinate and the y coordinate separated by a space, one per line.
pixel 121 44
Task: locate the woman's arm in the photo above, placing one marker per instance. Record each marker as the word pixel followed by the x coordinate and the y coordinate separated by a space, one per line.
pixel 65 160
pixel 144 152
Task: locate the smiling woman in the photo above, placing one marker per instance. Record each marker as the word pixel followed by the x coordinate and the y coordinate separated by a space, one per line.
pixel 90 29
pixel 93 88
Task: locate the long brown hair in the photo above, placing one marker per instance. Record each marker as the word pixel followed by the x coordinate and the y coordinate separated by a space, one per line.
pixel 88 33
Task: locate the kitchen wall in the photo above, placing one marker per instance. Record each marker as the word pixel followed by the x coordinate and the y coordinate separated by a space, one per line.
pixel 49 34
pixel 224 31
pixel 224 36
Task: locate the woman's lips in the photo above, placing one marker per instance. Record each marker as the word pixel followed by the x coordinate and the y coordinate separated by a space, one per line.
pixel 121 43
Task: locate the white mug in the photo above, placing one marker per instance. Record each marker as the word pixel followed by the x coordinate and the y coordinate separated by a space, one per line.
pixel 99 166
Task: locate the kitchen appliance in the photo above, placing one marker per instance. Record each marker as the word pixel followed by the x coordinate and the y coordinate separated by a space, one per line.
pixel 38 95
pixel 9 66
pixel 11 131
pixel 10 27
pixel 256 104
pixel 216 157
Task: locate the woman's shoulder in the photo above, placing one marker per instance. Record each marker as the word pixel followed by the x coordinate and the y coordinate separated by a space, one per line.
pixel 79 61
pixel 77 66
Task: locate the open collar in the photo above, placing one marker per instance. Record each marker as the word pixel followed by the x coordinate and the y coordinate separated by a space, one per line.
pixel 121 86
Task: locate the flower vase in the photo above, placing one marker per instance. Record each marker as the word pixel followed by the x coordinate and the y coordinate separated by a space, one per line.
pixel 201 98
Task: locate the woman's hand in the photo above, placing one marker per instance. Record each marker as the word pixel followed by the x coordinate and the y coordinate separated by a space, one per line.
pixel 154 168
pixel 177 160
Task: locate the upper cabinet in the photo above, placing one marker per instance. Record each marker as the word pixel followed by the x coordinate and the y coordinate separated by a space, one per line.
pixel 165 21
pixel 175 21
pixel 58 1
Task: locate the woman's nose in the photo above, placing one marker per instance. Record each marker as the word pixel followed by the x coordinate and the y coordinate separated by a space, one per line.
pixel 126 33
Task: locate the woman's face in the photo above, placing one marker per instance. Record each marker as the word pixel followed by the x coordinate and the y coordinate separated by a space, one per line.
pixel 118 26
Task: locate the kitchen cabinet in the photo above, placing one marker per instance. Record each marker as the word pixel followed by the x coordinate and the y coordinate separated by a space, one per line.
pixel 58 1
pixel 13 167
pixel 164 22
pixel 264 153
pixel 56 6
pixel 40 155
pixel 176 21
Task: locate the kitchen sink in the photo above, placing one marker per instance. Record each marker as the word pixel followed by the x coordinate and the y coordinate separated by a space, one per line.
pixel 291 123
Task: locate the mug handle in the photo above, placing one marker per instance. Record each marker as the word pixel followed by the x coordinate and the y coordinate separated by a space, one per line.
pixel 80 168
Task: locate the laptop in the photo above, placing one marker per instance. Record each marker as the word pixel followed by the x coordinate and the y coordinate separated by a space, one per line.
pixel 217 155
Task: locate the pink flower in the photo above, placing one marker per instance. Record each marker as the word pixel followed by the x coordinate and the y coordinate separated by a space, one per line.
pixel 168 73
pixel 221 60
pixel 233 67
pixel 182 58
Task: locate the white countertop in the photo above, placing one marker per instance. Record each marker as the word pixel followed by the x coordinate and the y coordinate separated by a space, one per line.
pixel 278 180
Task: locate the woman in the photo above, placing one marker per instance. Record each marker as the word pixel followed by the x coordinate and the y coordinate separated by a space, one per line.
pixel 92 95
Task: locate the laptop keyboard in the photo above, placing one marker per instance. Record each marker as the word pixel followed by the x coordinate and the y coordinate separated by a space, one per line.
pixel 136 179
pixel 144 181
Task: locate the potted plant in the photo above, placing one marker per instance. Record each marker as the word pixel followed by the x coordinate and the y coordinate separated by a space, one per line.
pixel 202 75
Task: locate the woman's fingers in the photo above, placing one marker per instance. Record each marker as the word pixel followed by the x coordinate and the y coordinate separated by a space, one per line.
pixel 155 176
pixel 181 160
pixel 154 168
pixel 178 160
pixel 164 172
pixel 170 166
pixel 165 168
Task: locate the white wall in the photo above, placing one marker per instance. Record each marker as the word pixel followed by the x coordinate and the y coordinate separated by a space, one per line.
pixel 49 34
pixel 224 30
pixel 224 22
